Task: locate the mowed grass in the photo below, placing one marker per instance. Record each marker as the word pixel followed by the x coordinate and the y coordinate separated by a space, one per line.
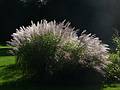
pixel 112 87
pixel 5 57
pixel 7 60
pixel 10 77
pixel 8 70
pixel 4 46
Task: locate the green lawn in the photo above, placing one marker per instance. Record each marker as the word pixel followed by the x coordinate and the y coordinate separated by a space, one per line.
pixel 10 77
pixel 5 57
pixel 112 87
pixel 7 60
pixel 8 71
pixel 1 46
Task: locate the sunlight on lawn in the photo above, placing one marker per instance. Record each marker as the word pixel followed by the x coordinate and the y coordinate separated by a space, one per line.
pixel 8 70
pixel 7 60
pixel 1 46
pixel 112 87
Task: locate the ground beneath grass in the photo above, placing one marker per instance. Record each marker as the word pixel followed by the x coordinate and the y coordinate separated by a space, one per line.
pixel 11 78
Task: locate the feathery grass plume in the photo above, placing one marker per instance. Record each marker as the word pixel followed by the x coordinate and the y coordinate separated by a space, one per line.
pixel 49 46
pixel 96 53
pixel 24 35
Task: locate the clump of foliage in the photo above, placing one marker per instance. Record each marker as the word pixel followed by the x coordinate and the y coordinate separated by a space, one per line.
pixel 50 49
pixel 113 70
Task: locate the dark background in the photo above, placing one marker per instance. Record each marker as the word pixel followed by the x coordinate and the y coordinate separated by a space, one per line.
pixel 99 17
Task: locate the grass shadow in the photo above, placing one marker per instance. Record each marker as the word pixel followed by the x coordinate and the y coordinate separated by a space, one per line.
pixel 9 73
pixel 21 83
pixel 27 85
pixel 4 52
pixel 11 78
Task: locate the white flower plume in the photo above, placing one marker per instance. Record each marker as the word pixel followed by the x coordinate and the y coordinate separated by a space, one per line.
pixel 94 48
pixel 24 34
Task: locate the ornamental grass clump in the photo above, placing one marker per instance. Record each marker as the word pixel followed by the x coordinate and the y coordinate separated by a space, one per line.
pixel 46 48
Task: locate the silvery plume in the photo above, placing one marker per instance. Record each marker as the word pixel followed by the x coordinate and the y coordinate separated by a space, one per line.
pixel 96 53
pixel 25 35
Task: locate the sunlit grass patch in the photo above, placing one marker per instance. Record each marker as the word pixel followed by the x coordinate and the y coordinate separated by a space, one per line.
pixel 3 46
pixel 4 50
pixel 112 87
pixel 7 60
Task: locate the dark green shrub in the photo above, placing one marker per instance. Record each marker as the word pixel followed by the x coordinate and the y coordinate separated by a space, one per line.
pixel 113 69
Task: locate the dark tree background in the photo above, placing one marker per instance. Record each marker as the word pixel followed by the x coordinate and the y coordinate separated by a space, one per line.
pixel 97 16
pixel 14 14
